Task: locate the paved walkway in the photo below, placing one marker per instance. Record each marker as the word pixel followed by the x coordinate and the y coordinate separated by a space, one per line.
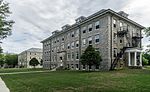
pixel 3 87
pixel 21 73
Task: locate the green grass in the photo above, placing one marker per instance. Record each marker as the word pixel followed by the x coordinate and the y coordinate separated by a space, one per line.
pixel 128 80
pixel 11 70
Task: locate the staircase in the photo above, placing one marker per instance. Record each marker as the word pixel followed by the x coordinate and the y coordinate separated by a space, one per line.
pixel 119 55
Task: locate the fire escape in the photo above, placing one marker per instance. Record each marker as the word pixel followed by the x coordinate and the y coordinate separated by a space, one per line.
pixel 131 43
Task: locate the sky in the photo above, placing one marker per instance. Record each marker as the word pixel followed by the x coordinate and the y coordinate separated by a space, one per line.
pixel 36 19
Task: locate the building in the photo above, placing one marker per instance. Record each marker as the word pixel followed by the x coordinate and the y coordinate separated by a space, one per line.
pixel 25 56
pixel 113 34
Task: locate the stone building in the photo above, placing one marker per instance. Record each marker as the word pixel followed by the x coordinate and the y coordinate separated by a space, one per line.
pixel 113 34
pixel 25 56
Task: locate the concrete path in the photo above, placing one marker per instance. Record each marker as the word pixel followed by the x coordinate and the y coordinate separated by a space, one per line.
pixel 21 73
pixel 3 87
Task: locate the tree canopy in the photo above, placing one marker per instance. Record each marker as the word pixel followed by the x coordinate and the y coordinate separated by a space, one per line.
pixel 34 62
pixel 5 24
pixel 147 31
pixel 11 60
pixel 90 56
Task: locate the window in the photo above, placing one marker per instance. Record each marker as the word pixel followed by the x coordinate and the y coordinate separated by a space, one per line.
pixel 84 30
pixel 90 40
pixel 62 47
pixel 90 27
pixel 30 53
pixel 68 35
pixel 35 53
pixel 115 52
pixel 72 55
pixel 68 56
pixel 77 55
pixel 72 45
pixel 68 46
pixel 114 23
pixel 97 38
pixel 115 37
pixel 97 26
pixel 77 66
pixel 121 26
pixel 83 42
pixel 62 39
pixel 77 43
pixel 120 41
pixel 57 39
pixel 77 33
pixel 72 34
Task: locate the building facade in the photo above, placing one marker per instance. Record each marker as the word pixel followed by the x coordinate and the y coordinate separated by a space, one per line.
pixel 25 57
pixel 114 35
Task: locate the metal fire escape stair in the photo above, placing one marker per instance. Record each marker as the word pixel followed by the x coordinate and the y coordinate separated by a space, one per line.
pixel 122 51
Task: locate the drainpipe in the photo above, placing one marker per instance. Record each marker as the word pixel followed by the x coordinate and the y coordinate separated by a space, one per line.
pixel 80 44
pixel 111 39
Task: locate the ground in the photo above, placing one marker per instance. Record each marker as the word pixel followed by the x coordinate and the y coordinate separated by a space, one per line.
pixel 127 80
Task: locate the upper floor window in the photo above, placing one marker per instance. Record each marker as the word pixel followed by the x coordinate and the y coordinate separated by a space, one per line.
pixel 84 29
pixel 90 40
pixel 68 45
pixel 77 33
pixel 84 42
pixel 68 35
pixel 114 23
pixel 77 43
pixel 90 27
pixel 97 38
pixel 62 38
pixel 72 34
pixel 97 26
pixel 72 45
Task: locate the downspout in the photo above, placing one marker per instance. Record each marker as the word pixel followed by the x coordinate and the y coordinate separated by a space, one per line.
pixel 79 45
pixel 111 40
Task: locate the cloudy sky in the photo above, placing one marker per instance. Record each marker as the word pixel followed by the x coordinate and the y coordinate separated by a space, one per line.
pixel 36 19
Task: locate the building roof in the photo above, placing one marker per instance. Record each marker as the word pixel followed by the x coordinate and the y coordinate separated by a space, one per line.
pixel 95 15
pixel 33 50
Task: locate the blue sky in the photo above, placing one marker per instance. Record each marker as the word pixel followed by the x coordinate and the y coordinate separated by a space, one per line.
pixel 36 19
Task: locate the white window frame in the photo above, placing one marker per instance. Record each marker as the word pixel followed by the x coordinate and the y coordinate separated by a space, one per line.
pixel 90 26
pixel 83 42
pixel 90 39
pixel 97 36
pixel 96 24
pixel 72 45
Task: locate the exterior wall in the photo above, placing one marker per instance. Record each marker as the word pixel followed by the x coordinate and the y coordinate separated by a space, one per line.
pixel 124 41
pixel 25 57
pixel 109 43
pixel 71 62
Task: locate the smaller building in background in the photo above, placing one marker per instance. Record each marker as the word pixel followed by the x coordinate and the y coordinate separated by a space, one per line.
pixel 25 57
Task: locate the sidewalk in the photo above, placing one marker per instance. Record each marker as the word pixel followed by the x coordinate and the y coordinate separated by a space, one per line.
pixel 3 87
pixel 21 73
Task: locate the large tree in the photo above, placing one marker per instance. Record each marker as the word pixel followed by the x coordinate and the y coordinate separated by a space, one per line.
pixel 147 31
pixel 11 60
pixel 34 62
pixel 2 58
pixel 90 57
pixel 5 24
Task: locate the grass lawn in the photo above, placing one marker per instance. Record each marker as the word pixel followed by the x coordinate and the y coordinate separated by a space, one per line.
pixel 10 70
pixel 128 80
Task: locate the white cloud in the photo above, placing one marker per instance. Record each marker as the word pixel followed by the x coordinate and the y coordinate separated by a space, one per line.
pixel 36 19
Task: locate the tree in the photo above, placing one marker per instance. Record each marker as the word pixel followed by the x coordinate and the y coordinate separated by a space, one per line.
pixel 147 31
pixel 41 62
pixel 1 60
pixel 5 24
pixel 90 57
pixel 146 57
pixel 1 50
pixel 34 62
pixel 144 61
pixel 11 60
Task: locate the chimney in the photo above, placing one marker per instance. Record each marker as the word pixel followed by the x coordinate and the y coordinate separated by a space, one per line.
pixel 80 19
pixel 122 13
